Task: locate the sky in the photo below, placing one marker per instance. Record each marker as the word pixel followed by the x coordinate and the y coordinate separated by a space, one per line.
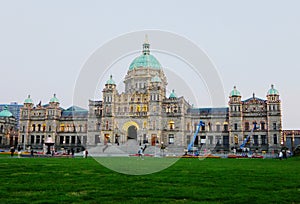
pixel 252 44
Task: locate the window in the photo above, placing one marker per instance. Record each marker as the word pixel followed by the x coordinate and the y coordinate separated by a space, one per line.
pixel 246 126
pixel 106 125
pixel 275 139
pixel 209 126
pixel 33 127
pixel 263 140
pixel 62 127
pixel 32 139
pixel 255 140
pixel 274 126
pixel 67 139
pixel 225 140
pixel 235 126
pixel 262 125
pixel 218 127
pixel 236 139
pixel 210 140
pixel 73 139
pixel 23 138
pixel 171 139
pixel 38 139
pixel 79 140
pixel 218 140
pixel 171 125
pixel 61 139
pixel 225 127
pixel 203 127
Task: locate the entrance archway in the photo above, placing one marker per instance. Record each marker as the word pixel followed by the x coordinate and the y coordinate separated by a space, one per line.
pixel 132 132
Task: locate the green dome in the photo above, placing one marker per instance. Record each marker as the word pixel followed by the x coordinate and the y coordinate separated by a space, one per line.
pixel 111 81
pixel 28 100
pixel 155 79
pixel 54 99
pixel 145 60
pixel 273 91
pixel 172 95
pixel 235 92
pixel 5 112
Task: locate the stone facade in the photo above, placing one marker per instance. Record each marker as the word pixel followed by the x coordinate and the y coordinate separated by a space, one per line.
pixel 144 113
pixel 66 128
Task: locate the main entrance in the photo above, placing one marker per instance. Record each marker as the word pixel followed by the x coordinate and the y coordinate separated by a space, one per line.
pixel 132 132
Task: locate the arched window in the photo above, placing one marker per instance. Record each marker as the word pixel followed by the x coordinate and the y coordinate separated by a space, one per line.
pixel 145 108
pixel 171 125
pixel 62 127
pixel 33 127
pixel 236 139
pixel 138 108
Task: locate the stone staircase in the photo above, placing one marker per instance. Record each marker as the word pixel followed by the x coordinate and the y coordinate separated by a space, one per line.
pixel 131 147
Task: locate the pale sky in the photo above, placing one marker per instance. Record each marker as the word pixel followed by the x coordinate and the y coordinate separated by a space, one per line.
pixel 253 44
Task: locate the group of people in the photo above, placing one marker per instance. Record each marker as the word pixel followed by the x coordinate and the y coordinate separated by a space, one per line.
pixel 284 154
pixel 19 149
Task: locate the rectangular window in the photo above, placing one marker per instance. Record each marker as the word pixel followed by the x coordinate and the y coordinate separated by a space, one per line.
pixel 84 140
pixel 61 139
pixel 218 127
pixel 0 139
pixel 171 139
pixel 32 139
pixel 23 139
pixel 73 139
pixel 97 139
pixel 246 126
pixel 274 126
pixel 255 140
pixel 79 140
pixel 43 139
pixel 210 140
pixel 38 139
pixel 188 139
pixel 262 126
pixel 67 139
pixel 275 139
pixel 226 127
pixel 218 140
pixel 235 126
pixel 263 140
pixel 225 140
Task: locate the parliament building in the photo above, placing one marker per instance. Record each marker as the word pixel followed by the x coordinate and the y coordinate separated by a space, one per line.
pixel 143 112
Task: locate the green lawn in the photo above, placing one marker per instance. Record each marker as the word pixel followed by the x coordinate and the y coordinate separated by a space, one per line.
pixel 78 180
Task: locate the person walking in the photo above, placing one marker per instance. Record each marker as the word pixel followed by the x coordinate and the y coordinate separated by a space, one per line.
pixel 141 153
pixel 280 155
pixel 12 151
pixel 19 151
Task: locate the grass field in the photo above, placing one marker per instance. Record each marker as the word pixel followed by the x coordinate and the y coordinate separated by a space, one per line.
pixel 78 180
